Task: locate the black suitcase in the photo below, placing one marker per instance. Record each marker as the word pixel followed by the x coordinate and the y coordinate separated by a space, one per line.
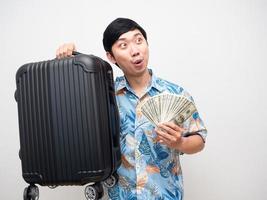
pixel 68 124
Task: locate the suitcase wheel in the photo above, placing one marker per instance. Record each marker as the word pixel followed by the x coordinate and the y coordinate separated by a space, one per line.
pixel 31 193
pixel 93 192
pixel 111 181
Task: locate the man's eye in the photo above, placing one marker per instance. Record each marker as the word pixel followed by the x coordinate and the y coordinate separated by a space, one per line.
pixel 139 40
pixel 123 45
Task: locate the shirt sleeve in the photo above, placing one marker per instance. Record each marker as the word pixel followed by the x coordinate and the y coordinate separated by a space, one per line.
pixel 194 125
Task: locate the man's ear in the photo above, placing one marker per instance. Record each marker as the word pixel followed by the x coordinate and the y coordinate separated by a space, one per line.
pixel 111 57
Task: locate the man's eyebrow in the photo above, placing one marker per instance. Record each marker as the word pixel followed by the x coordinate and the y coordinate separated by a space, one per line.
pixel 135 35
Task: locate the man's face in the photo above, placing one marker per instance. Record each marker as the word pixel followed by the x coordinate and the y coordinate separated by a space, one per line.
pixel 131 53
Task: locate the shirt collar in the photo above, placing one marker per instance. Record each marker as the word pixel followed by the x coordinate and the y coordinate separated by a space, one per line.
pixel 122 83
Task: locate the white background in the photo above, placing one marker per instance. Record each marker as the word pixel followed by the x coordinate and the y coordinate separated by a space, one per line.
pixel 215 49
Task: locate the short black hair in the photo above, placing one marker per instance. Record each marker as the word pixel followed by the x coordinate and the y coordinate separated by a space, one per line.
pixel 118 27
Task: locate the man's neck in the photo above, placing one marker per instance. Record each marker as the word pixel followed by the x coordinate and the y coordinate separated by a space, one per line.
pixel 139 83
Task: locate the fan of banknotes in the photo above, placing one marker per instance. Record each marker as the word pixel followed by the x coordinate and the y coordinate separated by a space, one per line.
pixel 167 107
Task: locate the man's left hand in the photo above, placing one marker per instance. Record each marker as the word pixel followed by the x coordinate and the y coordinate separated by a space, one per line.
pixel 170 134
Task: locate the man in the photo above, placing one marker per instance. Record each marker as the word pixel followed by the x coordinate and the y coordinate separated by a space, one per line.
pixel 150 166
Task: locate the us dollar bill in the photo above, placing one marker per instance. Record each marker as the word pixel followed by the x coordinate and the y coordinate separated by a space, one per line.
pixel 167 107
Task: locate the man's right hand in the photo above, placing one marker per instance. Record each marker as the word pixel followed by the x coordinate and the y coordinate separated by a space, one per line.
pixel 65 50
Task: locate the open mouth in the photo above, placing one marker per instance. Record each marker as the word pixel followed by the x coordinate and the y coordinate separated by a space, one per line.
pixel 138 61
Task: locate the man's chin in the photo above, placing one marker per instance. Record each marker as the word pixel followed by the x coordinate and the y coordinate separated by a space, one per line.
pixel 140 71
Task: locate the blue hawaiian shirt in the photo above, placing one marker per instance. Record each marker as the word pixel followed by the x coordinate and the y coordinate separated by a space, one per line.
pixel 149 170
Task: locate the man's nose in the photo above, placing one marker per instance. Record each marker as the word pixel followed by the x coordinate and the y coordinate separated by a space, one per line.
pixel 134 50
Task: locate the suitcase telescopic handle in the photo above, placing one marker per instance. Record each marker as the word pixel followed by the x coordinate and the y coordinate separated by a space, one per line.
pixel 111 88
pixel 114 108
pixel 116 121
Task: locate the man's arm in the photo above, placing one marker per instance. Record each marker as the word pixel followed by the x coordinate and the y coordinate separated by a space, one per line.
pixel 171 135
pixel 191 144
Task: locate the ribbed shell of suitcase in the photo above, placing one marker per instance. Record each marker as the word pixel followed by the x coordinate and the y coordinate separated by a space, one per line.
pixel 68 121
